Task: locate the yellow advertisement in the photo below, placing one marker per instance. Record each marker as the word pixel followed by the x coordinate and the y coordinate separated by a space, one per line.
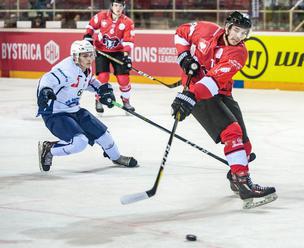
pixel 274 61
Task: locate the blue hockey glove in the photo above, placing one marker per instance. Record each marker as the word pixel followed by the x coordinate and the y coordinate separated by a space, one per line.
pixel 44 96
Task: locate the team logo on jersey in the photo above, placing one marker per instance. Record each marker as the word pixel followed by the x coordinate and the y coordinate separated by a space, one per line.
pixel 121 26
pixel 110 43
pixel 203 45
pixel 257 60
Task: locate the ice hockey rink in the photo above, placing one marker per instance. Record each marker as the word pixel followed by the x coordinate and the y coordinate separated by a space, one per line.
pixel 77 204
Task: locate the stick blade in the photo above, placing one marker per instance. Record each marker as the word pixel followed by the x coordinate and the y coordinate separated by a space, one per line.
pixel 127 199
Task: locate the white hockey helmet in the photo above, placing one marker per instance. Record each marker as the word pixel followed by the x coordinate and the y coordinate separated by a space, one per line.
pixel 81 46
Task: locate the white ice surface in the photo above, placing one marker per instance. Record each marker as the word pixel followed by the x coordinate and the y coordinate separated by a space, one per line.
pixel 77 204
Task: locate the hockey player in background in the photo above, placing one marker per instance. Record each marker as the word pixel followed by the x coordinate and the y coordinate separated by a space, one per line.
pixel 58 95
pixel 219 53
pixel 115 36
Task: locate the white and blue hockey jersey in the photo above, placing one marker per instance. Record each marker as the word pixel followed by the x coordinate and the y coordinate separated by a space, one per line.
pixel 68 82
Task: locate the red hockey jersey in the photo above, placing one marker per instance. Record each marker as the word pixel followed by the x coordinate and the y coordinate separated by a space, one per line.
pixel 110 35
pixel 222 62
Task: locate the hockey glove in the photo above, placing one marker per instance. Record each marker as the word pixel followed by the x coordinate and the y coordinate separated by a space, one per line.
pixel 106 95
pixel 89 38
pixel 188 63
pixel 184 104
pixel 44 96
pixel 127 63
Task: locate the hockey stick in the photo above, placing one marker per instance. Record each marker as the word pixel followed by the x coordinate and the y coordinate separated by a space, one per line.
pixel 127 199
pixel 168 131
pixel 252 155
pixel 140 72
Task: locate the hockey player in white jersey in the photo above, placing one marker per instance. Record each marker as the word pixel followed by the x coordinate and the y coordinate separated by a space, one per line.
pixel 58 95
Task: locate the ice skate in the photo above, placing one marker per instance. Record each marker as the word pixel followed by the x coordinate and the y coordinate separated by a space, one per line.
pixel 126 161
pixel 233 186
pixel 253 195
pixel 127 105
pixel 44 155
pixel 98 107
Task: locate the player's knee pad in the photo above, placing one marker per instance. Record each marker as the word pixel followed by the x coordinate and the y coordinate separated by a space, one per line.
pixel 234 148
pixel 124 82
pixel 103 77
pixel 79 143
pixel 232 132
pixel 231 136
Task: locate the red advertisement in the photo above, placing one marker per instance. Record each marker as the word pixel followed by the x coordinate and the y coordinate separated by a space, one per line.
pixel 38 51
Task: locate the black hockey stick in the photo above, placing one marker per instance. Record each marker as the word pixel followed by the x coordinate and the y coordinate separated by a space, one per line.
pixel 140 72
pixel 168 131
pixel 252 155
pixel 127 199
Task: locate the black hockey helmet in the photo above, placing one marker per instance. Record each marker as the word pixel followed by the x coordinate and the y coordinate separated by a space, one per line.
pixel 123 2
pixel 239 19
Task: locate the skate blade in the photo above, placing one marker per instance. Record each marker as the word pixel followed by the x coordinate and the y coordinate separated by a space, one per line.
pixel 250 203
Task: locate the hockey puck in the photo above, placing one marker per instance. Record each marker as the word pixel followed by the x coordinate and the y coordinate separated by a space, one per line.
pixel 191 237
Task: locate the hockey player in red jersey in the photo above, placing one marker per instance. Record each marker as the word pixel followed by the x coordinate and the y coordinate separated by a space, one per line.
pixel 219 53
pixel 114 34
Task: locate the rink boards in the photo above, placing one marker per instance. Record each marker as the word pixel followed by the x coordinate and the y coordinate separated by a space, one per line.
pixel 275 59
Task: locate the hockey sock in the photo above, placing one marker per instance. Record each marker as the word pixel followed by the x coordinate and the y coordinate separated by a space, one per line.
pixel 108 145
pixel 124 83
pixel 248 148
pixel 234 148
pixel 77 144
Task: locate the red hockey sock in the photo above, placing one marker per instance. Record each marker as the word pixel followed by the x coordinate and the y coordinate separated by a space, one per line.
pixel 124 82
pixel 247 147
pixel 234 148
